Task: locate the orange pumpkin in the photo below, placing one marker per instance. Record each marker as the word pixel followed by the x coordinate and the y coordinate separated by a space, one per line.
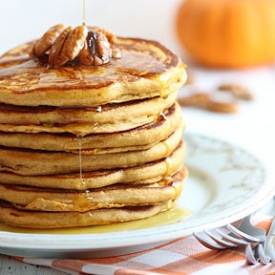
pixel 228 33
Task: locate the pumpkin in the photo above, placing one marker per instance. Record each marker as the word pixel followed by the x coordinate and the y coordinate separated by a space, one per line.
pixel 227 33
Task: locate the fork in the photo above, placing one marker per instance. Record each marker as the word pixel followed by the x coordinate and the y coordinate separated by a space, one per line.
pixel 263 252
pixel 229 236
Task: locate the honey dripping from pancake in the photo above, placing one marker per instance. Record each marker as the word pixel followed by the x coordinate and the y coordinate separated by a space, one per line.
pixel 77 200
pixel 168 161
pixel 79 140
pixel 164 91
pixel 164 116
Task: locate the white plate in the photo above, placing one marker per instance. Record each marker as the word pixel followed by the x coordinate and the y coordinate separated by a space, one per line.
pixel 225 184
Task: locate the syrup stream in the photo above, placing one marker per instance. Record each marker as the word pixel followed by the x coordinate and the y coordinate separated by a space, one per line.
pixel 79 138
pixel 168 161
pixel 83 13
pixel 167 119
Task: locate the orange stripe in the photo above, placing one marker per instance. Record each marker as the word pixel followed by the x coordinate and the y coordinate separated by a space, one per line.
pixel 264 224
pixel 20 259
pixel 69 264
pixel 127 271
pixel 170 272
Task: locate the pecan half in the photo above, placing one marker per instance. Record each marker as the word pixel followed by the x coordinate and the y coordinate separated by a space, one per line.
pixel 206 102
pixel 238 91
pixel 74 43
pixel 96 50
pixel 222 107
pixel 56 49
pixel 109 34
pixel 47 40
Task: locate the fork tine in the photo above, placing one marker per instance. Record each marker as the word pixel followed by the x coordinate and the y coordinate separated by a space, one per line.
pixel 249 255
pixel 263 258
pixel 269 247
pixel 243 235
pixel 271 252
pixel 219 241
pixel 229 236
pixel 232 239
pixel 207 241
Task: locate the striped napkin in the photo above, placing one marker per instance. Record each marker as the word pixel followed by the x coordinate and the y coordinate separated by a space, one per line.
pixel 180 257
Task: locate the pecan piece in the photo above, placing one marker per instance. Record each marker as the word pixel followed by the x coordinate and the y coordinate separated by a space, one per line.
pixel 195 100
pixel 47 40
pixel 96 50
pixel 116 53
pixel 109 35
pixel 238 91
pixel 206 102
pixel 222 107
pixel 56 49
pixel 74 43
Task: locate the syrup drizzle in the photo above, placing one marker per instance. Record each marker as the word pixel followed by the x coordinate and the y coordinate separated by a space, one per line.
pixel 168 147
pixel 79 139
pixel 168 217
pixel 169 165
pixel 83 13
pixel 168 161
pixel 166 119
pixel 164 90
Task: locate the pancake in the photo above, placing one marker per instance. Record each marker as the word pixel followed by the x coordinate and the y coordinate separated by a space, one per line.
pixel 41 199
pixel 47 220
pixel 136 139
pixel 82 129
pixel 146 70
pixel 144 174
pixel 28 162
pixel 134 113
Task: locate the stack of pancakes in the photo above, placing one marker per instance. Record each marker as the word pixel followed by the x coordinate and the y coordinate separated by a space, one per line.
pixel 89 145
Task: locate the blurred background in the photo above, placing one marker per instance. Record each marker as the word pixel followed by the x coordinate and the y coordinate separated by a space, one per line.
pixel 251 127
pixel 23 20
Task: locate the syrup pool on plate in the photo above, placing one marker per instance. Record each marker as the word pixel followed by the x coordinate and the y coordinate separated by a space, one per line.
pixel 168 217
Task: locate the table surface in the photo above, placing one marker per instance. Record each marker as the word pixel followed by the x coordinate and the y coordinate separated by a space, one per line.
pixel 252 127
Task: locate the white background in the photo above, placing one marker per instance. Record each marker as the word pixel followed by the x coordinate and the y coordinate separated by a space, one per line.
pixel 22 20
pixel 252 128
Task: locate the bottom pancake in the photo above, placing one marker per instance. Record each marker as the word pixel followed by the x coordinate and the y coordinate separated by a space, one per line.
pixel 49 220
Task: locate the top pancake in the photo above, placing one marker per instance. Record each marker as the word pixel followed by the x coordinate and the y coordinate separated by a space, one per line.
pixel 146 69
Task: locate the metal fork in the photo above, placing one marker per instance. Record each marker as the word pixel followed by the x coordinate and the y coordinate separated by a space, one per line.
pixel 263 252
pixel 229 236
